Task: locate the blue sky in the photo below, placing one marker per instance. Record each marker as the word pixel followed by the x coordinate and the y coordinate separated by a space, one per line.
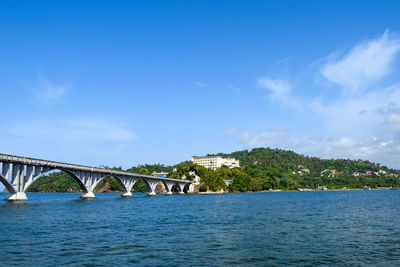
pixel 130 82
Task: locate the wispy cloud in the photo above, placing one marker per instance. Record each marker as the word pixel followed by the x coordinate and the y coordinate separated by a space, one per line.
pixel 380 148
pixel 235 89
pixel 47 91
pixel 364 64
pixel 286 59
pixel 77 130
pixel 85 140
pixel 385 150
pixel 199 84
pixel 273 137
pixel 230 132
pixel 365 124
pixel 278 89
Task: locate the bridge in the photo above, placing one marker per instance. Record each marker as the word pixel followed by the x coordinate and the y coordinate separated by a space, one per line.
pixel 18 173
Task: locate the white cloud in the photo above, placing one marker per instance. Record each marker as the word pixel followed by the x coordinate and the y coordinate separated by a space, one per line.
pixel 230 132
pixel 79 130
pixel 199 84
pixel 48 91
pixel 383 150
pixel 235 89
pixel 274 137
pixel 363 65
pixel 345 142
pixel 87 141
pixel 100 129
pixel 364 125
pixel 286 59
pixel 393 119
pixel 279 89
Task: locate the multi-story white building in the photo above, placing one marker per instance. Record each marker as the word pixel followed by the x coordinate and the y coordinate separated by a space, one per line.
pixel 215 162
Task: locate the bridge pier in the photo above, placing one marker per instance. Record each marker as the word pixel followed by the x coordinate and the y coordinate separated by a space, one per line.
pixel 168 186
pixel 152 186
pixel 181 187
pixel 88 195
pixel 89 180
pixel 127 184
pixel 19 196
pixel 127 194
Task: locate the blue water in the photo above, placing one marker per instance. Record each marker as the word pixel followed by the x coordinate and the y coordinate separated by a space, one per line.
pixel 343 228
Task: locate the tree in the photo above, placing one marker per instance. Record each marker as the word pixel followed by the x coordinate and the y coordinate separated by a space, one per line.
pixel 144 171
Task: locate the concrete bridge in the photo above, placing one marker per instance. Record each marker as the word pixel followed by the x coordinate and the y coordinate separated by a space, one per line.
pixel 18 173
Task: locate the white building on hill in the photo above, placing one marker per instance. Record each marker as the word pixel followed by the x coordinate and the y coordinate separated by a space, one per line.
pixel 215 162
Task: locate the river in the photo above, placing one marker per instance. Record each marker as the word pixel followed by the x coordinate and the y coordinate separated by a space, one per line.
pixel 343 228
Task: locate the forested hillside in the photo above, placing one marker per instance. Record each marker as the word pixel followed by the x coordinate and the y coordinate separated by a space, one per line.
pixel 299 170
pixel 289 161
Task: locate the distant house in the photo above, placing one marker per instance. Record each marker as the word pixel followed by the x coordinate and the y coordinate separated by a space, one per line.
pixel 336 172
pixel 382 172
pixel 326 171
pixel 302 170
pixel 331 173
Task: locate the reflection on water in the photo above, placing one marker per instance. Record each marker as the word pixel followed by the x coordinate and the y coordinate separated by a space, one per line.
pixel 291 228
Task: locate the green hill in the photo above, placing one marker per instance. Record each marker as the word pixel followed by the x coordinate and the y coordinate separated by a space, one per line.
pixel 298 170
pixel 283 160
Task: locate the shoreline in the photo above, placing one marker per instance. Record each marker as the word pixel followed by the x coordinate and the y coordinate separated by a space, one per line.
pixel 235 192
pixel 308 190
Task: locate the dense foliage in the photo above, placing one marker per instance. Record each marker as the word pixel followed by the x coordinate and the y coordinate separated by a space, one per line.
pixel 150 168
pixel 55 182
pixel 213 180
pixel 281 169
pixel 261 169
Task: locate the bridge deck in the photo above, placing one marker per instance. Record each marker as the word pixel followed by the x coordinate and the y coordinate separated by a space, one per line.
pixel 69 166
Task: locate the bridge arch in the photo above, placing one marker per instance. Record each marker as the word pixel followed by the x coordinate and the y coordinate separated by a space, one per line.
pixel 168 186
pixel 125 183
pixel 70 173
pixel 7 184
pixel 96 183
pixel 145 182
pixel 175 186
pixel 151 184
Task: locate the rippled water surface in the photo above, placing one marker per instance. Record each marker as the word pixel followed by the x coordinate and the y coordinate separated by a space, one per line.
pixel 344 228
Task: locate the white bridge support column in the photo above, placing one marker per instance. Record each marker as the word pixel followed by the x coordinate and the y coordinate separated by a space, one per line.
pixel 22 176
pixel 181 187
pixel 168 186
pixel 90 180
pixel 17 181
pixel 128 183
pixel 5 179
pixel 152 186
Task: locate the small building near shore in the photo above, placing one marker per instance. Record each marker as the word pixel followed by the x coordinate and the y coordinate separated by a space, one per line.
pixel 160 174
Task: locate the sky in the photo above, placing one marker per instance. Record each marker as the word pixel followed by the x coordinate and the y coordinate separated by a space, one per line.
pixel 122 83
